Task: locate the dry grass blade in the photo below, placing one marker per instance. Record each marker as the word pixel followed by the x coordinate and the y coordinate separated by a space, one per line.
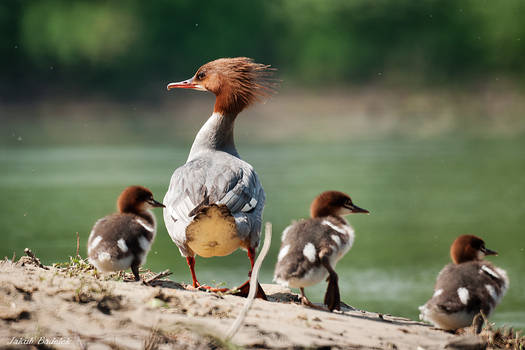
pixel 253 283
pixel 36 260
pixel 78 244
pixel 158 276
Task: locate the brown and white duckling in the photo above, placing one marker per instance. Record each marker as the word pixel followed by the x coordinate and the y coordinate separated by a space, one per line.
pixel 122 240
pixel 465 287
pixel 311 248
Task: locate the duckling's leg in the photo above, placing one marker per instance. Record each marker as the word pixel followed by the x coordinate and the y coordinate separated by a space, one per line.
pixel 135 270
pixel 306 302
pixel 244 289
pixel 332 298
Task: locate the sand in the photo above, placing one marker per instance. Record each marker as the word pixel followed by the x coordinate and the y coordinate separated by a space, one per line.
pixel 72 307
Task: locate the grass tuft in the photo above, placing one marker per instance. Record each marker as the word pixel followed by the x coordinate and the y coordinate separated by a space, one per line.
pixel 502 338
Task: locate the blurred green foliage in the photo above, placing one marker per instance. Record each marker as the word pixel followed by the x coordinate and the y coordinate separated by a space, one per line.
pixel 130 48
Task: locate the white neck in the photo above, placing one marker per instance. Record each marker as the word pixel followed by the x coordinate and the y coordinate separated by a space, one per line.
pixel 215 135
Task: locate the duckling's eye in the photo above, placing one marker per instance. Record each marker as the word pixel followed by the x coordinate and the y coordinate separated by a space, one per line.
pixel 201 75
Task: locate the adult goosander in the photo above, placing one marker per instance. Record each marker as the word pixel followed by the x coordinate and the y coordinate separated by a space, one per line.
pixel 215 200
pixel 122 240
pixel 311 248
pixel 465 287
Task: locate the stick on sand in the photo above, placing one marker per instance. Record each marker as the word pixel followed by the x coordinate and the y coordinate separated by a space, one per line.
pixel 253 283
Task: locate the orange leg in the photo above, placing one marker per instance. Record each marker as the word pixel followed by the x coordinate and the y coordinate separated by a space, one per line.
pixel 191 263
pixel 245 287
pixel 251 256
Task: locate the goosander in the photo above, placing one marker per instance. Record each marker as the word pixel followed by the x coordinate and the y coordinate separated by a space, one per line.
pixel 465 287
pixel 311 248
pixel 122 240
pixel 215 200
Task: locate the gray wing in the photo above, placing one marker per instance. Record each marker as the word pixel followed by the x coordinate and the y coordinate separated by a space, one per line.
pixel 229 181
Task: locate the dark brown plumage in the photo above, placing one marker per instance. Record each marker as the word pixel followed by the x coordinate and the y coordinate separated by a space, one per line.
pixel 311 248
pixel 465 287
pixel 122 240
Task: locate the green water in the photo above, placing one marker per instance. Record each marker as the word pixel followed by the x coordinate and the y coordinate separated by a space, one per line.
pixel 421 194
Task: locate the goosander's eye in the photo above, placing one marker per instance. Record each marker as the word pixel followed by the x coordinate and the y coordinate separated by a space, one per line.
pixel 201 75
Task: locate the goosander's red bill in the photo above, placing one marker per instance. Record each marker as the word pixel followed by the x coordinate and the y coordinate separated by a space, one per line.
pixel 186 84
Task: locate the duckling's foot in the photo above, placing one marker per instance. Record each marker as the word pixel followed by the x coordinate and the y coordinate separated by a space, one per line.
pixel 244 289
pixel 306 302
pixel 135 270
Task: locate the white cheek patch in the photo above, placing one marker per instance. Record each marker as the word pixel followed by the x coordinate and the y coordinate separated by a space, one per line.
pixel 336 239
pixel 463 295
pixel 334 227
pixel 104 256
pixel 285 232
pixel 95 242
pixel 122 245
pixel 309 252
pixel 283 252
pixel 144 243
pixel 489 271
pixel 145 225
pixel 437 293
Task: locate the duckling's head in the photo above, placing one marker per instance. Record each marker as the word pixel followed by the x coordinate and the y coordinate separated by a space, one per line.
pixel 469 248
pixel 136 199
pixel 334 203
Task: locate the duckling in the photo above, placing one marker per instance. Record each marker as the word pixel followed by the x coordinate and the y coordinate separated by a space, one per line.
pixel 465 287
pixel 122 240
pixel 311 248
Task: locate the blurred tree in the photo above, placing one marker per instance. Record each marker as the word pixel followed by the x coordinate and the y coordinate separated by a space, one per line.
pixel 130 48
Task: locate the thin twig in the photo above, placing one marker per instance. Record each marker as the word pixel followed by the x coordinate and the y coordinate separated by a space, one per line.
pixel 78 244
pixel 158 276
pixel 30 254
pixel 253 283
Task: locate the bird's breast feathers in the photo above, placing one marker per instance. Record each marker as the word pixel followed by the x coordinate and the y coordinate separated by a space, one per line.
pixel 206 183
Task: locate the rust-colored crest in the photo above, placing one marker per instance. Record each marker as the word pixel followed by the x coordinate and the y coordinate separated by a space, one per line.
pixel 237 82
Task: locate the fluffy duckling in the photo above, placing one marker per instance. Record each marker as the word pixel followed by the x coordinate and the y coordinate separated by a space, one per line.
pixel 122 240
pixel 465 287
pixel 311 248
